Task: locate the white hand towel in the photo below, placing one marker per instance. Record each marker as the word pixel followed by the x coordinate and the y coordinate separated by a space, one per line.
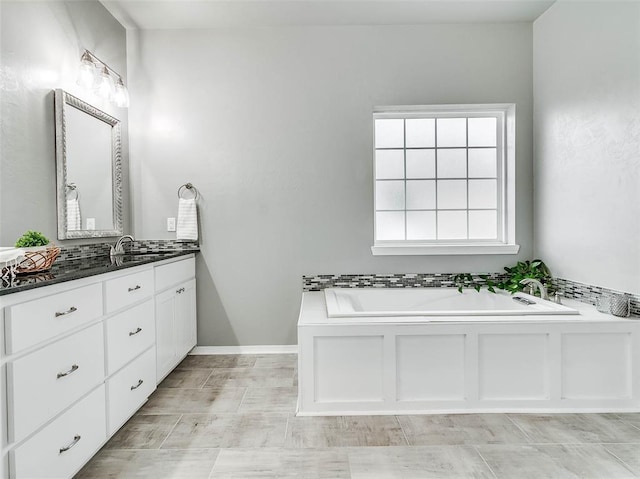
pixel 74 220
pixel 187 227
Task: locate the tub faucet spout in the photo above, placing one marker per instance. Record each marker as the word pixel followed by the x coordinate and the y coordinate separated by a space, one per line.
pixel 539 285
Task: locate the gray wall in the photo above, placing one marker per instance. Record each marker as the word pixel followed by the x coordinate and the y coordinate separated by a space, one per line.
pixel 274 127
pixel 587 142
pixel 41 44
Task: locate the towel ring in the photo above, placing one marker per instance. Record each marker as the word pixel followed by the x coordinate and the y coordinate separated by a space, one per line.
pixel 74 188
pixel 189 187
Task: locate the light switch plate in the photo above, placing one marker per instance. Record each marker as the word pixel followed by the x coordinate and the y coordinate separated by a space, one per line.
pixel 171 224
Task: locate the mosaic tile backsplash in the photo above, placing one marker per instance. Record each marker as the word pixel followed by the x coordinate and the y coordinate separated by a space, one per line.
pixel 73 252
pixel 400 280
pixel 161 246
pixel 566 288
pixel 586 293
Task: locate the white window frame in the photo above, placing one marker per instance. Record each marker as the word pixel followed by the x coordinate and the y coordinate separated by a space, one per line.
pixel 506 243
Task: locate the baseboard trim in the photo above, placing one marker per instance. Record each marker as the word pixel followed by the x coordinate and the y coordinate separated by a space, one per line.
pixel 260 349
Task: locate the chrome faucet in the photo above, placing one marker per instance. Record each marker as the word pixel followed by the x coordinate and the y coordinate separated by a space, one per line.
pixel 539 285
pixel 118 249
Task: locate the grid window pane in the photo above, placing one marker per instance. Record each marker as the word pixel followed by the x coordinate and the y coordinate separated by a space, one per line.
pixel 452 194
pixel 452 132
pixel 452 163
pixel 482 163
pixel 439 174
pixel 483 224
pixel 421 132
pixel 421 163
pixel 390 195
pixel 452 225
pixel 389 164
pixel 389 133
pixel 421 225
pixel 483 131
pixel 421 195
pixel 483 194
pixel 390 225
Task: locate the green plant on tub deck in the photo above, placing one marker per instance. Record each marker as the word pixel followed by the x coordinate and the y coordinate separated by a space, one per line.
pixel 535 269
pixel 31 239
pixel 466 280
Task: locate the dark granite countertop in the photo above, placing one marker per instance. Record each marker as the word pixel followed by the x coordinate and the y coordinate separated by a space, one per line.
pixel 69 270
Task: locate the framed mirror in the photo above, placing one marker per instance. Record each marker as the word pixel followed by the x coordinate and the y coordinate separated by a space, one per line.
pixel 88 170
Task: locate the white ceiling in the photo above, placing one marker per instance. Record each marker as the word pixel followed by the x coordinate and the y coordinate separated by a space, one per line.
pixel 190 14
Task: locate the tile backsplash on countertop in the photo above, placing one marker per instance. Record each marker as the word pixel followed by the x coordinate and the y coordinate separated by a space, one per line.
pixel 73 252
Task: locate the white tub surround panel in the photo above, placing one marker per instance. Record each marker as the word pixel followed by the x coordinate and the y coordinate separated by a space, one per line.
pixel 417 364
pixel 80 360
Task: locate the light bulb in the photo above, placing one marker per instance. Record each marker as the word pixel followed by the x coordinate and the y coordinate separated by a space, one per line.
pixel 86 72
pixel 105 84
pixel 121 95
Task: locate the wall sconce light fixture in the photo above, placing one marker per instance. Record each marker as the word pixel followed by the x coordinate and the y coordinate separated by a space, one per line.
pixel 96 75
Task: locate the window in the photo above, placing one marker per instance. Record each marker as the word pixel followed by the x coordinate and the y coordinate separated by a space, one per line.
pixel 444 179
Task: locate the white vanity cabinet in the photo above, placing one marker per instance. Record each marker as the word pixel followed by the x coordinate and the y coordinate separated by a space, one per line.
pixel 54 355
pixel 78 359
pixel 175 314
pixel 130 338
pixel 63 446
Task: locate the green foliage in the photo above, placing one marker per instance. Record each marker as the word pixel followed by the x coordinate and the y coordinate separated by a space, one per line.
pixel 466 280
pixel 31 239
pixel 535 269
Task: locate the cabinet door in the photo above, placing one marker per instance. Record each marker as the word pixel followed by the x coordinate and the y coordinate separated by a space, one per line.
pixel 166 353
pixel 185 317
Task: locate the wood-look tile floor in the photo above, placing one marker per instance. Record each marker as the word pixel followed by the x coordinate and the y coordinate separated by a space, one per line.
pixel 233 417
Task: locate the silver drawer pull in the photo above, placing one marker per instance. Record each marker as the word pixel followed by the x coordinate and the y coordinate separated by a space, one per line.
pixel 137 287
pixel 133 333
pixel 75 441
pixel 140 381
pixel 75 367
pixel 72 309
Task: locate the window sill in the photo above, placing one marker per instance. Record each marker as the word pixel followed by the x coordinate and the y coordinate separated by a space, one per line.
pixel 444 249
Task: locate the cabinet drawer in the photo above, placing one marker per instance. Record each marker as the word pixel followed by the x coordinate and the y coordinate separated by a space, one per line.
pixel 35 321
pixel 128 334
pixel 128 289
pixel 81 429
pixel 174 273
pixel 43 383
pixel 130 388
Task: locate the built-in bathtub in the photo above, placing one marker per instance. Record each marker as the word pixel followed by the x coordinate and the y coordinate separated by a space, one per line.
pixel 436 304
pixel 434 350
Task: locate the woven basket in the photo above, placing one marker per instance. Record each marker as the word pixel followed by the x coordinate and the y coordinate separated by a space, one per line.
pixel 39 260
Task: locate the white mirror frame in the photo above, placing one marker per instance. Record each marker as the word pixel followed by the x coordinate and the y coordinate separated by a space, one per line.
pixel 64 100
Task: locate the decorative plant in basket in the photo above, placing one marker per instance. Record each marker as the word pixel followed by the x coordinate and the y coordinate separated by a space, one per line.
pixel 38 252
